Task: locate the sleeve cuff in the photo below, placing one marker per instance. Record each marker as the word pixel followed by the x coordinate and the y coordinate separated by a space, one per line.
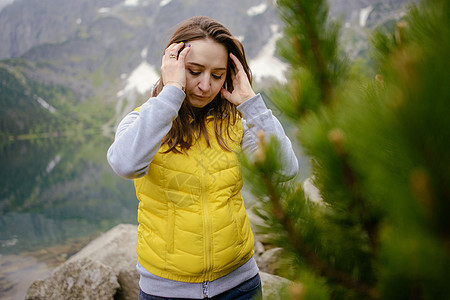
pixel 252 107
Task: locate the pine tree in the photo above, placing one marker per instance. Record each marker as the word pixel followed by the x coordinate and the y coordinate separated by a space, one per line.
pixel 379 151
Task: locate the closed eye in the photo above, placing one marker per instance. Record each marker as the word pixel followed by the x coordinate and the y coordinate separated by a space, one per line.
pixel 194 73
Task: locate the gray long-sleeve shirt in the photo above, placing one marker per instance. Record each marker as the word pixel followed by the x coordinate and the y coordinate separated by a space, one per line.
pixel 139 134
pixel 138 138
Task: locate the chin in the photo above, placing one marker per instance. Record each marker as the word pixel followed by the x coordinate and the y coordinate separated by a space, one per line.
pixel 199 104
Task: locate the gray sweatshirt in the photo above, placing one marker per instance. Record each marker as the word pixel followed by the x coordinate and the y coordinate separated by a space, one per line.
pixel 138 138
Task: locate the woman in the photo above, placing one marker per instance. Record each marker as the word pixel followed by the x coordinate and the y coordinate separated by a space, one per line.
pixel 181 148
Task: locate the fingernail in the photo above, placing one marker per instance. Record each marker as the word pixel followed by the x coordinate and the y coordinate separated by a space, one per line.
pixel 180 42
pixel 189 45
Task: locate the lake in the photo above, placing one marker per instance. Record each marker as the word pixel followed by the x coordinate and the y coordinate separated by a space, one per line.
pixel 55 196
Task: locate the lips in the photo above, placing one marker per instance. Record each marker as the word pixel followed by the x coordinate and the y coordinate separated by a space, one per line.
pixel 200 97
pixel 198 101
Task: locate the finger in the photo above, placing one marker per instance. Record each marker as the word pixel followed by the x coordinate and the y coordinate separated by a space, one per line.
pixel 173 49
pixel 240 76
pixel 183 53
pixel 177 47
pixel 234 80
pixel 236 62
pixel 226 94
pixel 170 48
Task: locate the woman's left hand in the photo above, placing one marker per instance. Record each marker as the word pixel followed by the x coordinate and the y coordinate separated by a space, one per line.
pixel 242 89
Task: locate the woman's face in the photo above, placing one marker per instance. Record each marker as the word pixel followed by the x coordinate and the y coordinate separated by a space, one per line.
pixel 206 69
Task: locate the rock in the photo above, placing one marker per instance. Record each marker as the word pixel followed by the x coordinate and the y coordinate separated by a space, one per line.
pixel 109 260
pixel 82 279
pixel 129 285
pixel 271 260
pixel 273 285
pixel 106 269
pixel 115 248
pixel 312 193
pixel 258 247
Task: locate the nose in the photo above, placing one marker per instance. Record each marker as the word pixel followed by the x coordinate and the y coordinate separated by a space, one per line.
pixel 204 83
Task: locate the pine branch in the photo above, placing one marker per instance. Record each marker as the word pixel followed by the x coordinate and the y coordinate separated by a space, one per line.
pixel 314 42
pixel 371 225
pixel 307 20
pixel 313 260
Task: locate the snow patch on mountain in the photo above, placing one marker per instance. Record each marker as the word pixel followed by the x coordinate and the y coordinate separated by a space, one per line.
pixel 364 15
pixel 140 80
pixel 131 3
pixel 265 64
pixel 144 53
pixel 104 10
pixel 4 3
pixel 257 10
pixel 164 2
pixel 44 104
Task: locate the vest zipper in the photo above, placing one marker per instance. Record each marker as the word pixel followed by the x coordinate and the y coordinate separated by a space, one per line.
pixel 205 286
pixel 206 220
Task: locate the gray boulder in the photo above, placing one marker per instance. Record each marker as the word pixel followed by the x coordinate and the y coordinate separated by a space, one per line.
pixel 117 250
pixel 273 286
pixel 82 279
pixel 104 269
pixel 271 261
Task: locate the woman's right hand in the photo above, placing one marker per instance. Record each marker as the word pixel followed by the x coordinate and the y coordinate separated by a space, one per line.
pixel 173 71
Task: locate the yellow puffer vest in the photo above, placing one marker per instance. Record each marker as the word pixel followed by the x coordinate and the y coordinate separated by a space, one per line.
pixel 193 226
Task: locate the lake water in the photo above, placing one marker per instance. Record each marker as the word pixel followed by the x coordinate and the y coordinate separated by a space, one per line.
pixel 55 196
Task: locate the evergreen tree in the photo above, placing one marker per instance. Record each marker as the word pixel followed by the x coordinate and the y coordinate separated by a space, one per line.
pixel 379 151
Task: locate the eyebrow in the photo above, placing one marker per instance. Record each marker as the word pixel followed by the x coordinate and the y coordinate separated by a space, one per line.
pixel 202 66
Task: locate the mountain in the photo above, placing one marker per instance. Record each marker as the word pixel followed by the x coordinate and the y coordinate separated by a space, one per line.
pixel 106 53
pixel 19 97
pixel 361 17
pixel 83 37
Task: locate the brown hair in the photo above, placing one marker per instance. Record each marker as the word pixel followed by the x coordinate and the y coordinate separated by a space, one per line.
pixel 190 123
